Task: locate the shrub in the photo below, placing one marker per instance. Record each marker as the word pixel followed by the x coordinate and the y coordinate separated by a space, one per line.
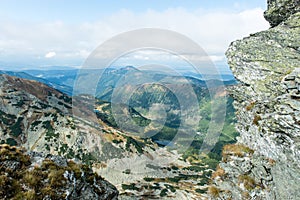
pixel 175 179
pixel 194 168
pixel 200 191
pixel 116 141
pixel 174 167
pixel 75 168
pixel 148 179
pixel 16 128
pixel 137 144
pixel 129 187
pixel 11 142
pixel 30 195
pixel 164 192
pixel 56 178
pixel 127 171
pixel 32 179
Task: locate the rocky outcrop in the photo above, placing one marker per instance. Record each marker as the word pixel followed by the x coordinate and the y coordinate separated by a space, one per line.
pixel 267 101
pixel 280 10
pixel 37 176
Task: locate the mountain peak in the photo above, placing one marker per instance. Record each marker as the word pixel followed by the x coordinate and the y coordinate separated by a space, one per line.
pixel 129 68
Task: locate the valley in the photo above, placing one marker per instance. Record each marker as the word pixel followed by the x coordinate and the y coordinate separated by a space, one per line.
pixel 142 163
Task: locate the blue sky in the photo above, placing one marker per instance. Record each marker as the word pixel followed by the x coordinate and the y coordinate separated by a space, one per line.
pixel 80 10
pixel 41 34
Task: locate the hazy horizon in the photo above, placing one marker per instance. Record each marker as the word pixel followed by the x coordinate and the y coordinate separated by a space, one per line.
pixel 61 35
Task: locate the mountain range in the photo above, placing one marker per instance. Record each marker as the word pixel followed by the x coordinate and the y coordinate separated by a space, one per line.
pixel 41 118
pixel 63 80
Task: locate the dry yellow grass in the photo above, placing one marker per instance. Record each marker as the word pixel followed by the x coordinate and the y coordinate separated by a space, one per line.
pixel 218 173
pixel 249 182
pixel 214 191
pixel 236 150
pixel 256 119
pixel 271 161
pixel 250 106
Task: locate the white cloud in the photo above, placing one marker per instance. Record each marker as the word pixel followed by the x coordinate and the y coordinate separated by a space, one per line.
pixel 212 30
pixel 216 58
pixel 50 54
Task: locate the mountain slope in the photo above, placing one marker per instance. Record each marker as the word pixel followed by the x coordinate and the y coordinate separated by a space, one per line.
pixel 40 119
pixel 34 175
pixel 54 84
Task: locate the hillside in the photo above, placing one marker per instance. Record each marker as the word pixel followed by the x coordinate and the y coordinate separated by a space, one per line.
pixel 67 89
pixel 40 119
pixel 32 175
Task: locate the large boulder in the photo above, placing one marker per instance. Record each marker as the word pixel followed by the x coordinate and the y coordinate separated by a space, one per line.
pixel 280 10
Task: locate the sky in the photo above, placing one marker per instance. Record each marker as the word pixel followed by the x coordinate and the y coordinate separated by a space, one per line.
pixel 62 33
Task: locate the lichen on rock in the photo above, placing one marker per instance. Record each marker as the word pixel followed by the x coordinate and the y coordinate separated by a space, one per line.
pixel 279 10
pixel 267 101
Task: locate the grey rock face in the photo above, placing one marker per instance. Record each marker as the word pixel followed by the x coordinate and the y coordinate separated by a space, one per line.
pixel 267 101
pixel 279 10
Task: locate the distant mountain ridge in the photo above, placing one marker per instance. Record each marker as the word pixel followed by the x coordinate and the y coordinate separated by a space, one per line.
pixel 63 80
pixel 61 87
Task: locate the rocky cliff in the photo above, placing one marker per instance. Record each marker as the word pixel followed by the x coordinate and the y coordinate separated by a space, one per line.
pixel 264 164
